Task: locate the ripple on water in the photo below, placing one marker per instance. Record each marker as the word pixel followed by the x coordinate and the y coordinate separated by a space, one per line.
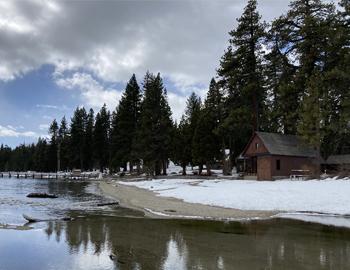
pixel 72 196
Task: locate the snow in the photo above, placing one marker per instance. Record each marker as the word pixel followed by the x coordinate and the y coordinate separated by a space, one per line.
pixel 330 220
pixel 174 169
pixel 329 196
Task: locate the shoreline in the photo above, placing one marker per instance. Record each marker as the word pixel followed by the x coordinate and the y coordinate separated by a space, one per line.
pixel 154 206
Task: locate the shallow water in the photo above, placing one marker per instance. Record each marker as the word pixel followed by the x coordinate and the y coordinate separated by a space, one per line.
pixel 74 198
pixel 138 243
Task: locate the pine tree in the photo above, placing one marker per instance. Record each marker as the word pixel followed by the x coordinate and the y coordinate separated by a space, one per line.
pixel 53 147
pixel 207 144
pixel 310 126
pixel 182 144
pixel 40 156
pixel 192 115
pixel 154 135
pixel 298 39
pixel 342 79
pixel 311 39
pixel 282 100
pixel 63 146
pixel 101 138
pixel 89 141
pixel 240 69
pixel 214 102
pixel 116 161
pixel 77 138
pixel 205 141
pixel 242 80
pixel 125 122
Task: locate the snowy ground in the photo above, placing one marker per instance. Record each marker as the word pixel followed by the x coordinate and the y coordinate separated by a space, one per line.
pixel 328 196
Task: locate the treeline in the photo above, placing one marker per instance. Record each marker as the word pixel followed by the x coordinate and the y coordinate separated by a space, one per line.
pixel 290 76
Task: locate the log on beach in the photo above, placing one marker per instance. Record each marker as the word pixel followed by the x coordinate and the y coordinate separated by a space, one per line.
pixel 108 203
pixel 32 220
pixel 42 195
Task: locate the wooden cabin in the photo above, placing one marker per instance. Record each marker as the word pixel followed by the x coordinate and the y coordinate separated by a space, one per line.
pixel 270 156
pixel 338 163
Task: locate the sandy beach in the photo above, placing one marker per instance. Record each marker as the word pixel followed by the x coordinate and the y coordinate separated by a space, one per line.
pixel 164 207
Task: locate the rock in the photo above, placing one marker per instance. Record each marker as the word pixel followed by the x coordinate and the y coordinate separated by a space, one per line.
pixel 42 195
pixel 112 256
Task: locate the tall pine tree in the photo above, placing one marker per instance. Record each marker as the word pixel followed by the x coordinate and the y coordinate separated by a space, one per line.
pixel 53 147
pixel 242 79
pixel 124 126
pixel 89 141
pixel 154 135
pixel 77 138
pixel 101 138
pixel 63 162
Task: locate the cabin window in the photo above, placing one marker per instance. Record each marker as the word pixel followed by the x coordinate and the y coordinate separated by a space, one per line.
pixel 256 145
pixel 278 164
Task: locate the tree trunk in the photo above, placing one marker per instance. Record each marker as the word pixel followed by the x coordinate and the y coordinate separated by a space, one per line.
pixel 131 166
pixel 165 166
pixel 183 169
pixel 208 165
pixel 200 169
pixel 81 164
pixel 138 167
pixel 318 162
pixel 59 157
pixel 157 168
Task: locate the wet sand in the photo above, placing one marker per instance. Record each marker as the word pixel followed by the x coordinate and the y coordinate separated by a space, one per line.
pixel 165 207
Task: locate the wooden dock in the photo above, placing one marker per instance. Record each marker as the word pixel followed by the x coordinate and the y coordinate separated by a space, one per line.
pixel 37 175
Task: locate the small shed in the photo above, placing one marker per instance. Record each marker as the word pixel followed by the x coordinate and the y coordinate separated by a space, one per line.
pixel 272 156
pixel 338 163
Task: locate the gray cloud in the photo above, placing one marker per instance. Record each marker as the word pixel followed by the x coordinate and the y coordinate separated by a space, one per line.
pixel 183 40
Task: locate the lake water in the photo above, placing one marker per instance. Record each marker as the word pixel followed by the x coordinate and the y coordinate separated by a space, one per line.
pixel 134 242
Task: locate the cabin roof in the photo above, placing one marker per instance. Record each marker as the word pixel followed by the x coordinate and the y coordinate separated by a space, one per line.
pixel 339 159
pixel 286 145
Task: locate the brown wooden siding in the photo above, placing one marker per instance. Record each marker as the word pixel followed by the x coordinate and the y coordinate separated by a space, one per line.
pixel 252 151
pixel 267 166
pixel 264 168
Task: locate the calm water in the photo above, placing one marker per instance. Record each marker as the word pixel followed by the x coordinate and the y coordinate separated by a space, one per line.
pixel 138 243
pixel 74 198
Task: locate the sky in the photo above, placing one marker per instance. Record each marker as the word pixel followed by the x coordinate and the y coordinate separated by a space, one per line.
pixel 57 55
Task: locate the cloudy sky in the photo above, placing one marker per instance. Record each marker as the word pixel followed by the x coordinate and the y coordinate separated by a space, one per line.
pixel 57 55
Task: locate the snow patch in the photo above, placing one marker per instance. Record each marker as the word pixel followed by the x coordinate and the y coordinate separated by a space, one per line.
pixel 330 196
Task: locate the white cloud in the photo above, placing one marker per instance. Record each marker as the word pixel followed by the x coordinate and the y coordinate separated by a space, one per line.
pixel 44 127
pixel 53 107
pixel 93 93
pixel 10 131
pixel 177 104
pixel 47 117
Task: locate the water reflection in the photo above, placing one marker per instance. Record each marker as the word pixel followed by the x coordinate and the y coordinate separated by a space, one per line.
pixel 154 244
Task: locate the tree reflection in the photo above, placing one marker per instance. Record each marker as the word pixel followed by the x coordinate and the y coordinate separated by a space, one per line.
pixel 139 243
